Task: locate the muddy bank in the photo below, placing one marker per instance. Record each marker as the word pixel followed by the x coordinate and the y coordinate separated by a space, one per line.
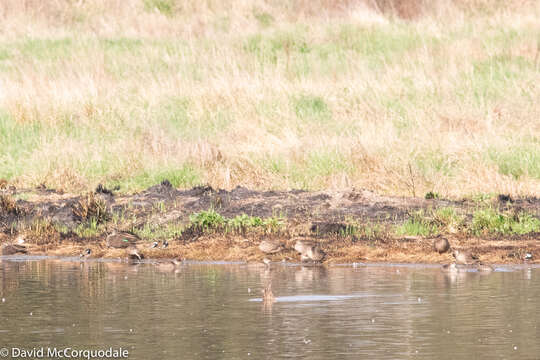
pixel 355 225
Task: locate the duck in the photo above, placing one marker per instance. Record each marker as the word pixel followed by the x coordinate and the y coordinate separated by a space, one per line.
pixel 133 252
pixel 169 265
pixel 450 268
pixel 315 253
pixel 464 257
pixel 267 261
pixel 12 249
pixel 484 268
pixel 86 253
pixel 441 245
pixel 165 244
pixel 121 239
pixel 302 246
pixel 270 247
pixel 309 251
pixel 154 245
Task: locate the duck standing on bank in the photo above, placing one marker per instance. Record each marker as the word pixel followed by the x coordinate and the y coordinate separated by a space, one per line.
pixel 86 253
pixel 270 247
pixel 441 245
pixel 121 239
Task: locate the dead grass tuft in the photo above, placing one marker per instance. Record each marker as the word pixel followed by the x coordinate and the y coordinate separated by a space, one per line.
pixel 42 232
pixel 91 208
pixel 8 206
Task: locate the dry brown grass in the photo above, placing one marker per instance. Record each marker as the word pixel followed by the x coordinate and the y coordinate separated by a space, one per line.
pixel 272 95
pixel 8 205
pixel 91 208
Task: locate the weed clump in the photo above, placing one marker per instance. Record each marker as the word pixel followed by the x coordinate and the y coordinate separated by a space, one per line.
pixel 43 232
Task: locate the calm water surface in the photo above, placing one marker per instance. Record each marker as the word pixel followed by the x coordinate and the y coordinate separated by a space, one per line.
pixel 214 311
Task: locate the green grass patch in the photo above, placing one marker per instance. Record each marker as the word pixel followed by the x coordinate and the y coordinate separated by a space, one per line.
pixel 517 161
pixel 280 44
pixel 90 228
pixel 311 108
pixel 263 18
pixel 152 232
pixel 173 114
pixel 492 221
pixel 211 221
pixel 378 45
pixel 121 45
pixel 46 49
pixel 183 176
pixel 435 162
pixel 418 225
pixel 165 7
pixel 494 78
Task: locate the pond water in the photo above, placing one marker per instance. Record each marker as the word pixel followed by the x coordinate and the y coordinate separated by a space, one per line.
pixel 214 311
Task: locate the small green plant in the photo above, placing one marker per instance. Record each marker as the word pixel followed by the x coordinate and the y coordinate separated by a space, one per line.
pixel 88 229
pixel 208 219
pixel 274 224
pixel 243 222
pixel 431 195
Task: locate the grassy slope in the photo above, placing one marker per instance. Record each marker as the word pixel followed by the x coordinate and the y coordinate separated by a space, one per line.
pixel 270 95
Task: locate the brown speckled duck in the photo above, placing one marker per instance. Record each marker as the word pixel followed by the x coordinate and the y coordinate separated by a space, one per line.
pixel 12 249
pixel 309 250
pixel 270 247
pixel 464 257
pixel 441 245
pixel 133 252
pixel 169 265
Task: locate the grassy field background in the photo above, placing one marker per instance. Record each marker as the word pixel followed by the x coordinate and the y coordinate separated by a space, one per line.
pixel 400 97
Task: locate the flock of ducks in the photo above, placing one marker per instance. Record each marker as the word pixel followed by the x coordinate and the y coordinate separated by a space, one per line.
pixel 461 257
pixel 310 252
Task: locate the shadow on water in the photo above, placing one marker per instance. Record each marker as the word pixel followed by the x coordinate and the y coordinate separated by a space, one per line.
pixel 209 311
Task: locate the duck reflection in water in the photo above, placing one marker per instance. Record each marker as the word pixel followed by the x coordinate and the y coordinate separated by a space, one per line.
pixel 268 298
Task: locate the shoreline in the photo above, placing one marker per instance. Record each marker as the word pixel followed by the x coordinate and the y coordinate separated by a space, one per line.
pixel 204 224
pixel 293 264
